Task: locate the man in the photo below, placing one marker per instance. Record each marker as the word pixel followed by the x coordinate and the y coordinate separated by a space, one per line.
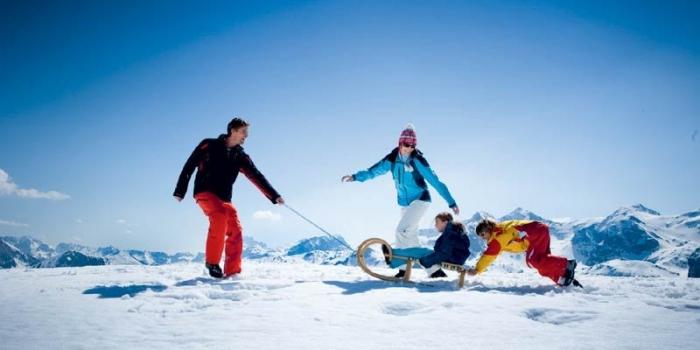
pixel 218 162
pixel 410 171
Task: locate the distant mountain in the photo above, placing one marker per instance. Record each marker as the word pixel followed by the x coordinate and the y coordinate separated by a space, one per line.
pixel 319 243
pixel 320 250
pixel 253 249
pixel 639 233
pixel 31 252
pixel 76 259
pixel 11 256
pixel 522 214
pixel 621 235
pixel 30 247
pixel 633 240
pixel 74 247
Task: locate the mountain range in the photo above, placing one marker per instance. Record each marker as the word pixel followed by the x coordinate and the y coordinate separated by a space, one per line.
pixel 631 241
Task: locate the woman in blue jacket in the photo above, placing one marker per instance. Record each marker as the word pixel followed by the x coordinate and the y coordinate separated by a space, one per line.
pixel 411 174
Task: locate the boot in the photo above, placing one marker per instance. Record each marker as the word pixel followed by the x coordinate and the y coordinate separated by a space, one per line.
pixel 570 272
pixel 385 251
pixel 214 270
pixel 438 274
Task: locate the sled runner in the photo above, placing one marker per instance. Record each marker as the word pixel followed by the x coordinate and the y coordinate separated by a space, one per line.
pixel 409 260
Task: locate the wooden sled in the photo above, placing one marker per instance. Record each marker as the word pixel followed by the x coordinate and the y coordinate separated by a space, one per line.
pixel 409 263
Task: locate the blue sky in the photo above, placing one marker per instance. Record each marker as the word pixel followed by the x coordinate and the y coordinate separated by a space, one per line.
pixel 568 109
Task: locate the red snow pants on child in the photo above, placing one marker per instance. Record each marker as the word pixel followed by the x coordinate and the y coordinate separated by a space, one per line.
pixel 224 228
pixel 539 255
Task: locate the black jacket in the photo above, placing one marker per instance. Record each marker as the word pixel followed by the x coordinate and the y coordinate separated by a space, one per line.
pixel 217 169
pixel 452 246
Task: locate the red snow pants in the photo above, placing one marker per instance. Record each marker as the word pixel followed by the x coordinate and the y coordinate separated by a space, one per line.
pixel 539 255
pixel 224 228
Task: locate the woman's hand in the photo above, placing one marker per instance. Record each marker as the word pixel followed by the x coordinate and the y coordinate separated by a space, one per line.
pixel 455 209
pixel 347 178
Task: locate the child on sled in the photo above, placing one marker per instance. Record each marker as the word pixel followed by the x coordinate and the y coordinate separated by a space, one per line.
pixel 452 247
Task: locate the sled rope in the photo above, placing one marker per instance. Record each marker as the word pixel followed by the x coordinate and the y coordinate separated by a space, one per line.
pixel 320 228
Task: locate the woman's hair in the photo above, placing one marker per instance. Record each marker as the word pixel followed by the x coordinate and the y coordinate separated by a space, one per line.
pixel 235 124
pixel 485 225
pixel 445 216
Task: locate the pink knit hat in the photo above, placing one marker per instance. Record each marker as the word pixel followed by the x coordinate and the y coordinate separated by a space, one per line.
pixel 408 136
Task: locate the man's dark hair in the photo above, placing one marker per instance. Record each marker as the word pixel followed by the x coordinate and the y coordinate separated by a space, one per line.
pixel 235 124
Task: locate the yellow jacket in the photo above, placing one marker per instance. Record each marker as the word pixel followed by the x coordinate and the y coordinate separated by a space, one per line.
pixel 506 237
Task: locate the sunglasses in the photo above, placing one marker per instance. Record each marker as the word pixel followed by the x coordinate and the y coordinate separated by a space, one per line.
pixel 408 145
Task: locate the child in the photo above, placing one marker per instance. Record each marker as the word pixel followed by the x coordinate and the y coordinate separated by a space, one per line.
pixel 452 247
pixel 505 236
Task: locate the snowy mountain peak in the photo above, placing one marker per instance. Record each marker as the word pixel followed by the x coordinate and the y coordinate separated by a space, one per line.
pixel 66 247
pixel 30 246
pixel 480 215
pixel 636 209
pixel 247 240
pixel 108 250
pixel 316 243
pixel 625 234
pixel 642 208
pixel 76 259
pixel 521 214
pixel 692 214
pixel 253 249
pixel 11 256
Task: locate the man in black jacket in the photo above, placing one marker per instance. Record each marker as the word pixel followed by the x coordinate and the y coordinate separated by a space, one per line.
pixel 218 162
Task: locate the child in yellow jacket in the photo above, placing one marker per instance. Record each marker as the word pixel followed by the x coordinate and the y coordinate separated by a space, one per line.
pixel 505 236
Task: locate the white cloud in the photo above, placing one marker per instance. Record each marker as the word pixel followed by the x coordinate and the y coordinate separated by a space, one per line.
pixel 266 215
pixel 121 221
pixel 12 223
pixel 9 188
pixel 79 221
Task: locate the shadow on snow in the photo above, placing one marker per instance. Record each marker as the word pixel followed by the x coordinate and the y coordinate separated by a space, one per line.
pixel 120 291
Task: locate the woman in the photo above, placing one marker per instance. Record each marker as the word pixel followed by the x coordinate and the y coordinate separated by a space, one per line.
pixel 411 173
pixel 505 236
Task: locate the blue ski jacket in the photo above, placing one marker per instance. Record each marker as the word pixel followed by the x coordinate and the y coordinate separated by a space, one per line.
pixel 409 176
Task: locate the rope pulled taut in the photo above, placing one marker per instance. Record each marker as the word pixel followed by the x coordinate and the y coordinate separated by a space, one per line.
pixel 320 228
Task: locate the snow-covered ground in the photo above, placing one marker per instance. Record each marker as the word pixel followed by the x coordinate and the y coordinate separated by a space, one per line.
pixel 308 306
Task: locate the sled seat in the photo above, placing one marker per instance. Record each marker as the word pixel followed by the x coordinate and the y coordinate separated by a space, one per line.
pixel 459 269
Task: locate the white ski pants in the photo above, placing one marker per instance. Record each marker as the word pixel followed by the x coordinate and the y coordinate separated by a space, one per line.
pixel 407 229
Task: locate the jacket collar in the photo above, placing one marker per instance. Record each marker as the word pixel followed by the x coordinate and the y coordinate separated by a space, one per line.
pixel 222 139
pixel 394 155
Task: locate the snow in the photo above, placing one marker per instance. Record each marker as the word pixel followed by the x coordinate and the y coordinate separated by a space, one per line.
pixel 308 306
